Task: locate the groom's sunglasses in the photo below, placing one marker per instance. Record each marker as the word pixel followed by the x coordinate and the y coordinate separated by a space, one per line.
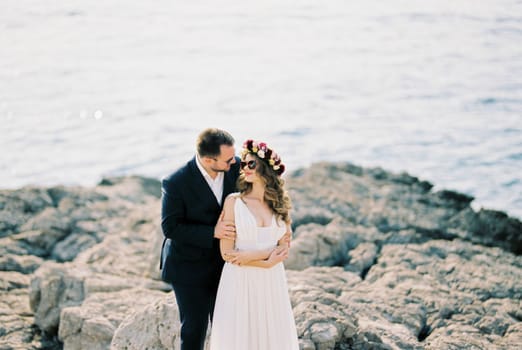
pixel 251 164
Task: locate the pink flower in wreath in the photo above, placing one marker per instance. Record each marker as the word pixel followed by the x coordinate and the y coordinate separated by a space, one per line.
pixel 262 146
pixel 262 150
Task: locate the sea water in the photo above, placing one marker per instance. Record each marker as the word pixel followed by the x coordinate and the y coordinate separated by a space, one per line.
pixel 101 88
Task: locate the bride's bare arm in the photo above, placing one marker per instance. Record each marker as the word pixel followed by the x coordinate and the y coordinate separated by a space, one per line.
pixel 241 257
pixel 263 258
pixel 227 246
pixel 278 255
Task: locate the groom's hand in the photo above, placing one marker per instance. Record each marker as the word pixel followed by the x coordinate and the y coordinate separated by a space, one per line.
pixel 224 229
pixel 287 237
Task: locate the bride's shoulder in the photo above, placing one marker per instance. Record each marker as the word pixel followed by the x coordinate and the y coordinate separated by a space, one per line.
pixel 231 198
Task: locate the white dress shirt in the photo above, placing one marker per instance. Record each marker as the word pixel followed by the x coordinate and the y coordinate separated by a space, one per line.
pixel 216 185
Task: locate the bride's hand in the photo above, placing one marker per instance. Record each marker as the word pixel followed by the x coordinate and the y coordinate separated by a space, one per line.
pixel 278 255
pixel 238 257
pixel 281 248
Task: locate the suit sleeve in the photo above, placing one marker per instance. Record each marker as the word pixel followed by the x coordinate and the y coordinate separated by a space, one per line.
pixel 173 219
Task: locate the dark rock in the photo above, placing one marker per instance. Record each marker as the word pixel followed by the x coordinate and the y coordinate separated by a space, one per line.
pixel 25 264
pixel 70 247
pixel 490 228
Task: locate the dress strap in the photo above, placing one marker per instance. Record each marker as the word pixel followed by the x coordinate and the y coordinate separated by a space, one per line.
pixel 245 222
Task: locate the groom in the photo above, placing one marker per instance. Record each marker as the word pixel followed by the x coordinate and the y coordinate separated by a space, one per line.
pixel 192 199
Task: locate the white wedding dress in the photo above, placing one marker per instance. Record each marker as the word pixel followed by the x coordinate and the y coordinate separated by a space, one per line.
pixel 253 310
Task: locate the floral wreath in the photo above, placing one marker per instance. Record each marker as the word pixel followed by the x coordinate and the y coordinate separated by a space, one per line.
pixel 268 155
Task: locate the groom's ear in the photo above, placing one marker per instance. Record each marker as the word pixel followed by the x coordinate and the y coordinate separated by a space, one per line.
pixel 206 160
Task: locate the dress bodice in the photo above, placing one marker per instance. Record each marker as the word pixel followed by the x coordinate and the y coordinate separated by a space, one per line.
pixel 249 235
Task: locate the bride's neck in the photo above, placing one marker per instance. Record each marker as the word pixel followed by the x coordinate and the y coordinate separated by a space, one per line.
pixel 258 191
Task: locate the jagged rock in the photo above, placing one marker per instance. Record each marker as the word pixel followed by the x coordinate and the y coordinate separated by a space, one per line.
pixel 401 267
pixel 154 327
pixel 513 335
pixel 320 319
pixel 307 215
pixel 398 202
pixel 17 206
pixel 53 287
pixel 423 288
pixel 362 258
pixel 18 333
pixel 17 245
pixel 488 227
pixel 129 253
pixel 13 280
pixel 92 324
pixel 317 245
pixel 71 246
pixel 48 220
pixel 52 225
pixel 25 264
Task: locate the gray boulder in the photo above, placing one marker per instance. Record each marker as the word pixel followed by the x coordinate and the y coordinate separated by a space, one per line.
pixel 154 327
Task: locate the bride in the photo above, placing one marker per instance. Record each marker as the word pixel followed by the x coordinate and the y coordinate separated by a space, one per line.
pixel 253 308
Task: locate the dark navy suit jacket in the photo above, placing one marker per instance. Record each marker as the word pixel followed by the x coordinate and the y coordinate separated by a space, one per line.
pixel 190 253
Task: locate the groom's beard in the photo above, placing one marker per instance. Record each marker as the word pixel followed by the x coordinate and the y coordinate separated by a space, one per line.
pixel 221 170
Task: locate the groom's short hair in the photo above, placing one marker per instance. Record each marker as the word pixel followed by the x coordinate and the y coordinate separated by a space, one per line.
pixel 210 140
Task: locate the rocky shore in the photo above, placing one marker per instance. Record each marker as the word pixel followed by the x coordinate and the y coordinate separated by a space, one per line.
pixel 378 261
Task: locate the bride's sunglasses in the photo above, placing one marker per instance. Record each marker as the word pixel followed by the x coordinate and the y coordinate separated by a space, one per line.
pixel 251 164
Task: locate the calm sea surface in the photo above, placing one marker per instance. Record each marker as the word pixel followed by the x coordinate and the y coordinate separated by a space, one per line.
pixel 434 88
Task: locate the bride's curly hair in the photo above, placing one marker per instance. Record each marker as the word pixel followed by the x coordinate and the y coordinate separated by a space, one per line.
pixel 275 195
